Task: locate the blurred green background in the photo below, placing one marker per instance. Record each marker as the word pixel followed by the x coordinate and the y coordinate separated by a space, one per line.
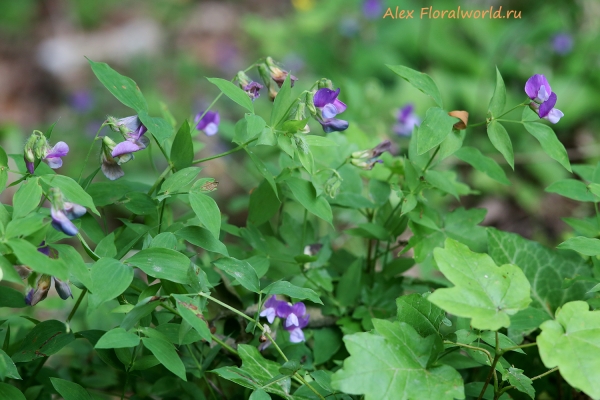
pixel 169 47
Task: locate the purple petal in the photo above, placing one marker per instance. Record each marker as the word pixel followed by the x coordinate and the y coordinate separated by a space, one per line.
pixel 44 249
pixel 272 302
pixel 111 170
pixel 372 8
pixel 299 308
pixel 339 105
pixel 126 147
pixel 291 320
pixel 210 117
pixel 60 222
pixel 138 133
pixel 533 85
pixel 331 125
pixel 60 149
pixel 283 309
pixel 329 111
pixel 29 297
pixel 131 123
pixel 547 105
pixel 325 96
pixel 269 313
pixel 211 129
pixel 30 167
pixel 54 162
pixel 405 112
pixel 297 336
pixel 554 115
pixel 73 210
pixel 303 321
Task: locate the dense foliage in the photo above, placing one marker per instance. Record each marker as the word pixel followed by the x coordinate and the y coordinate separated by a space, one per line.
pixel 309 298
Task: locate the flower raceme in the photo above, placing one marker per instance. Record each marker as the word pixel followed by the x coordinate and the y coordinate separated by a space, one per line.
pixel 327 107
pixel 39 293
pixel 63 212
pixel 133 132
pixel 294 315
pixel 538 89
pixel 251 88
pixel 37 147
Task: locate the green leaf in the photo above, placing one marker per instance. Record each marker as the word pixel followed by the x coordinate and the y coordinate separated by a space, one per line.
pixel 544 268
pixel 550 143
pixel 3 158
pixel 142 308
pixel 166 240
pixel 158 127
pixel 71 189
pixel 522 383
pixel 319 141
pixel 27 198
pixel 106 247
pixel 180 180
pixel 201 237
pixel 434 129
pixel 190 313
pixel 254 126
pixel 69 390
pixel 8 369
pixel 162 264
pixel 74 261
pixel 256 372
pixel 233 92
pixel 45 339
pixel 259 394
pixel 451 144
pixel 572 343
pixel 306 195
pixel 501 141
pixel 263 170
pixel 282 104
pixel 11 298
pixel 499 98
pixel 3 177
pixel 394 365
pixel 421 314
pixel 296 292
pixel 583 245
pixel 166 354
pixel 207 211
pixel 347 290
pixel 182 150
pixel 241 270
pixel 482 163
pixel 28 255
pixel 439 181
pixel 572 189
pixel 10 392
pixel 117 338
pixel 110 278
pixel 327 342
pixel 264 204
pixel 122 87
pixel 420 81
pixel 484 292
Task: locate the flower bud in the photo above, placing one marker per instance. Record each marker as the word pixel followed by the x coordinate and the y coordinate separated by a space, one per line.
pixel 325 83
pixel 277 74
pixel 243 79
pixel 40 292
pixel 62 288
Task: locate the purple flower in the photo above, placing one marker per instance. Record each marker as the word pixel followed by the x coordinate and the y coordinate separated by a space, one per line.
pixel 538 89
pixel 81 100
pixel 367 159
pixel 406 120
pixel 209 124
pixel 252 89
pixel 329 106
pixel 562 43
pixel 296 319
pixel 277 74
pixel 54 156
pixel 372 8
pixel 133 130
pixel 111 167
pixel 61 218
pixel 270 311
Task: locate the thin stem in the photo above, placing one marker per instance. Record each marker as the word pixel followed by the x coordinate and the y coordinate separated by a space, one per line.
pixel 431 159
pixel 487 353
pixel 90 151
pixel 545 373
pixel 87 248
pixel 219 302
pixel 240 147
pixel 509 120
pixel 76 306
pixel 210 106
pixel 160 179
pixel 492 371
pixel 225 345
pixel 304 227
pixel 514 108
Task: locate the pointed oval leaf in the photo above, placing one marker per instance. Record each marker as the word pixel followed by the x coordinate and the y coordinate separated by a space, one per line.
pixel 166 354
pixel 501 141
pixel 182 150
pixel 306 195
pixel 122 87
pixel 499 98
pixel 436 126
pixel 550 143
pixel 110 278
pixel 117 338
pixel 27 198
pixel 71 189
pixel 69 390
pixel 296 292
pixel 162 264
pixel 207 211
pixel 482 163
pixel 419 80
pixel 233 92
pixel 241 270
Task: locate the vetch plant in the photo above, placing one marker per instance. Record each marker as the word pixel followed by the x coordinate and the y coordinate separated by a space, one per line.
pixel 332 223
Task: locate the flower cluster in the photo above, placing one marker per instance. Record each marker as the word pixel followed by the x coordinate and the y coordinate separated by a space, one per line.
pixel 249 86
pixel 38 147
pixel 113 155
pixel 294 316
pixel 538 89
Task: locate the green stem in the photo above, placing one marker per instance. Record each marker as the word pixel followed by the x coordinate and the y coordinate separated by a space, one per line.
pixel 487 353
pixel 431 159
pixel 87 248
pixel 304 228
pixel 240 147
pixel 545 373
pixel 210 106
pixel 492 371
pixel 160 179
pixel 225 345
pixel 76 306
pixel 90 152
pixel 514 108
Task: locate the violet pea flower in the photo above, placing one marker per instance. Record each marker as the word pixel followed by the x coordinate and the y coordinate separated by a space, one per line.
pixel 270 311
pixel 538 89
pixel 329 106
pixel 61 218
pixel 209 124
pixel 372 8
pixel 54 156
pixel 406 120
pixel 296 319
pixel 562 43
pixel 134 137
